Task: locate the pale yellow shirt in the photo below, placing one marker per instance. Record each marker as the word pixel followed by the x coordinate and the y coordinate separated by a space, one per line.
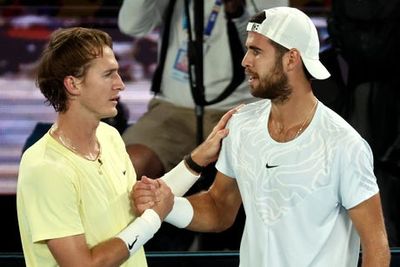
pixel 61 194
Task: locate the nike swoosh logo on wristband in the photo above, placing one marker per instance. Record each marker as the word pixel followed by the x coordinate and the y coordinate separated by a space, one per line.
pixel 130 246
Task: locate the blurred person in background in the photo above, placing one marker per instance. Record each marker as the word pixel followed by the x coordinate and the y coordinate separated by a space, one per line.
pixel 167 131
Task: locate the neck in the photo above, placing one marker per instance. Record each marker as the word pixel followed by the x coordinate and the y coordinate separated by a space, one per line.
pixel 287 121
pixel 81 141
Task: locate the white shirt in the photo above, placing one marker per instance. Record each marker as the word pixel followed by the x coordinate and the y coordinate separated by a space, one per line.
pixel 296 194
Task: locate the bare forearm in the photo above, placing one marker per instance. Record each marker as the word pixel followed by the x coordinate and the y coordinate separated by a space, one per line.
pixel 376 256
pixel 110 253
pixel 208 217
pixel 117 250
pixel 367 218
pixel 74 252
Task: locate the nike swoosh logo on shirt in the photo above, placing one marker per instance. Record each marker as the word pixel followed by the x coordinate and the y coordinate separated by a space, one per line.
pixel 270 166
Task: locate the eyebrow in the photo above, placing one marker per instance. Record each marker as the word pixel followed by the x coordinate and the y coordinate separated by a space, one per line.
pixel 111 70
pixel 252 47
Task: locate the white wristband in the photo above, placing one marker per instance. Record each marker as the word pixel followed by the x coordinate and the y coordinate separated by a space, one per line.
pixel 180 179
pixel 181 214
pixel 136 234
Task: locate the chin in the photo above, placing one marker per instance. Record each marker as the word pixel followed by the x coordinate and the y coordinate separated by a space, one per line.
pixel 254 91
pixel 110 114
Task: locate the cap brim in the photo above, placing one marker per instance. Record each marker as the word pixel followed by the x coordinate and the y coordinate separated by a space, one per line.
pixel 316 69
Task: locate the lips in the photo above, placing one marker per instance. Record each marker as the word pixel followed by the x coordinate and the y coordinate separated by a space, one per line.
pixel 115 98
pixel 250 73
pixel 252 76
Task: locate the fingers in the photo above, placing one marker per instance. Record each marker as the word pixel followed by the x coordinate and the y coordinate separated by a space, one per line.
pixel 221 134
pixel 145 187
pixel 163 188
pixel 164 206
pixel 149 181
pixel 141 190
pixel 219 129
pixel 144 195
pixel 164 185
pixel 224 120
pixel 208 151
pixel 151 194
pixel 139 209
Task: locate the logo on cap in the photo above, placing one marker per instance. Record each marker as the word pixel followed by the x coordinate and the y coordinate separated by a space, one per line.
pixel 255 27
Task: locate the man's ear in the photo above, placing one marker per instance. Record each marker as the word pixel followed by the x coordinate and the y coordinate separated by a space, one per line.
pixel 293 59
pixel 71 84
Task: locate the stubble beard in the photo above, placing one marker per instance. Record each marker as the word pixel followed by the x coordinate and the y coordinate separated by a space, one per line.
pixel 273 86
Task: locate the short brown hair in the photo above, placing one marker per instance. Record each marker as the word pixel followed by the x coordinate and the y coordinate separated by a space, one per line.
pixel 69 52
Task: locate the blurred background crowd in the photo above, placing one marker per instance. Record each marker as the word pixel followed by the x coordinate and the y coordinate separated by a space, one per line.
pixel 366 97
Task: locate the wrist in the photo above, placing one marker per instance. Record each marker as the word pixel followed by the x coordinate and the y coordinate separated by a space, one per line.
pixel 193 165
pixel 136 234
pixel 181 214
pixel 180 179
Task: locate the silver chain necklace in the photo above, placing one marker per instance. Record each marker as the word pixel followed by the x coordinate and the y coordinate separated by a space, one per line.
pixel 66 142
pixel 306 120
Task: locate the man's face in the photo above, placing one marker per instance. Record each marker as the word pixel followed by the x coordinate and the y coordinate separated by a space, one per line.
pixel 267 78
pixel 101 86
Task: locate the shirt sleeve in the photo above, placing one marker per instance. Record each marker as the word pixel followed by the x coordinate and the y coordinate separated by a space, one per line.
pixel 140 17
pixel 225 161
pixel 358 182
pixel 52 202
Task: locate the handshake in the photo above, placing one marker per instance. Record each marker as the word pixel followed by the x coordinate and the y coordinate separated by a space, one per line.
pixel 163 195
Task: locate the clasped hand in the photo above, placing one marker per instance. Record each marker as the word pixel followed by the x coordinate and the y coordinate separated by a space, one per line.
pixel 151 194
pixel 155 193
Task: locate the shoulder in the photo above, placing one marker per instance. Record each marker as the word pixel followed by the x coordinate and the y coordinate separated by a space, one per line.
pixel 340 131
pixel 249 113
pixel 253 109
pixel 105 129
pixel 109 135
pixel 45 163
pixel 335 123
pixel 45 150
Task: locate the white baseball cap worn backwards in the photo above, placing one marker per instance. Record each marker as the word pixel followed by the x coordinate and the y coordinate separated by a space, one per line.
pixel 292 28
